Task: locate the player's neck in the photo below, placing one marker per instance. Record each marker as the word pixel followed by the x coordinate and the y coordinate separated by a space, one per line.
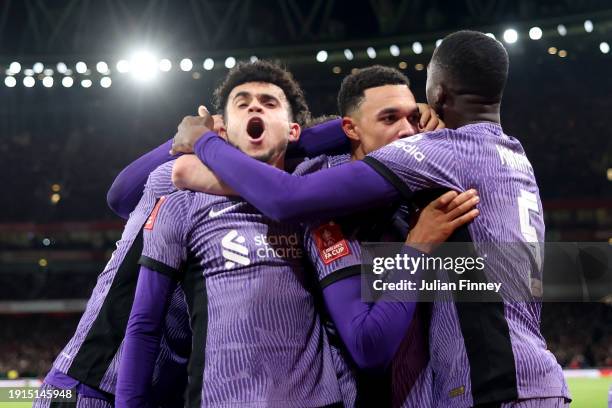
pixel 469 110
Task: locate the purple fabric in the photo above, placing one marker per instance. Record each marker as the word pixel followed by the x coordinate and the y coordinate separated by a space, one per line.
pixel 324 138
pixel 284 197
pixel 64 382
pixel 142 338
pixel 372 332
pixel 126 190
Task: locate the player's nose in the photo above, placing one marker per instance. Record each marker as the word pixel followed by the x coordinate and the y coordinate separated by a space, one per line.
pixel 406 128
pixel 255 106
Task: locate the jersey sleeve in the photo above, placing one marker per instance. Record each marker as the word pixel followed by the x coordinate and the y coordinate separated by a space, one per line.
pixel 165 234
pixel 333 255
pixel 424 161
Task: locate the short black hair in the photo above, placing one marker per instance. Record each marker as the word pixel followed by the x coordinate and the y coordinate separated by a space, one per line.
pixel 268 72
pixel 473 62
pixel 354 85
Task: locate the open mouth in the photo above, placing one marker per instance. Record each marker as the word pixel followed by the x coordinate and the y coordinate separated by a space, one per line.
pixel 255 127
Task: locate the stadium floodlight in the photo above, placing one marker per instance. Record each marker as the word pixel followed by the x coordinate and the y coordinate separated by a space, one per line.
pixel 186 64
pixel 46 242
pixel 348 54
pixel 28 72
pixel 81 67
pixel 61 67
pixel 165 65
pixel 48 72
pixel 491 35
pixel 47 82
pixel 143 66
pixel 322 56
pixel 510 36
pixel 14 68
pixel 561 30
pixel 38 67
pixel 67 82
pixel 588 26
pixel 604 47
pixel 28 82
pixel 208 64
pixel 535 33
pixel 417 47
pixel 253 58
pixel 86 83
pixel 123 66
pixel 394 50
pixel 102 67
pixel 371 52
pixel 106 82
pixel 230 62
pixel 438 42
pixel 10 81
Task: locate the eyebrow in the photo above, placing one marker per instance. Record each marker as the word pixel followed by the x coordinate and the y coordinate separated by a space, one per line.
pixel 246 94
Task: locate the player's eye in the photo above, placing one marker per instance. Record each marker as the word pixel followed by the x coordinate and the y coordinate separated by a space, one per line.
pixel 271 104
pixel 242 105
pixel 389 119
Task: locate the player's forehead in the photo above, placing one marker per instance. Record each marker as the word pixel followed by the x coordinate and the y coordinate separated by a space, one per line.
pixel 382 98
pixel 257 89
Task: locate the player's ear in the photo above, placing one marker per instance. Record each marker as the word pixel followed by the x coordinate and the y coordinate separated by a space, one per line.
pixel 440 99
pixel 222 131
pixel 348 125
pixel 294 132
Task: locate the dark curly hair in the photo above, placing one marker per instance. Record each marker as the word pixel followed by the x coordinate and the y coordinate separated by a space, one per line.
pixel 354 85
pixel 268 72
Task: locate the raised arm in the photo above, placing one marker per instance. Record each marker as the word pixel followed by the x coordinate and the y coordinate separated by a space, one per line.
pixel 324 138
pixel 284 197
pixel 142 338
pixel 127 188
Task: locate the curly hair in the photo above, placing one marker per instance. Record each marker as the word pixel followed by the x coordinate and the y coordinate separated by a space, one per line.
pixel 354 85
pixel 268 72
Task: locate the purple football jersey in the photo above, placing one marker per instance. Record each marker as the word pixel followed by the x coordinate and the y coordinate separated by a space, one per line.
pixel 264 344
pixel 93 353
pixel 483 352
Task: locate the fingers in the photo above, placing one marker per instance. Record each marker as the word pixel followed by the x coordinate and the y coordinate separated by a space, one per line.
pixel 461 198
pixel 203 111
pixel 444 199
pixel 425 116
pixel 465 218
pixel 463 208
pixel 441 124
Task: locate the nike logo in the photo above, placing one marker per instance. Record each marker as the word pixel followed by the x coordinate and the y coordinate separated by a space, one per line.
pixel 214 213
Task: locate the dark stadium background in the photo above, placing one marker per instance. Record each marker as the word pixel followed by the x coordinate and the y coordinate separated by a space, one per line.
pixel 72 142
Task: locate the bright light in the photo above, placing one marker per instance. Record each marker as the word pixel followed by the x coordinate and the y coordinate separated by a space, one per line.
pixel 208 64
pixel 47 82
pixel 510 36
pixel 394 50
pixel 14 68
pixel 604 47
pixel 402 65
pixel 123 66
pixel 253 58
pixel 102 67
pixel 588 26
pixel 491 35
pixel 562 53
pixel 165 65
pixel 46 242
pixel 143 66
pixel 10 81
pixel 86 83
pixel 552 50
pixel 186 64
pixel 322 56
pixel 417 47
pixel 371 52
pixel 106 82
pixel 336 70
pixel 28 72
pixel 230 62
pixel 419 67
pixel 561 30
pixel 28 82
pixel 61 67
pixel 81 67
pixel 67 82
pixel 535 33
pixel 438 42
pixel 348 54
pixel 38 67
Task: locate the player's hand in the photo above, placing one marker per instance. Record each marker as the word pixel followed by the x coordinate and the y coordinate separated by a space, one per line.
pixel 429 119
pixel 190 130
pixel 218 122
pixel 440 218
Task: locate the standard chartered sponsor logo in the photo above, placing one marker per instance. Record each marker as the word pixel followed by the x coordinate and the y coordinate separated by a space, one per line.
pixel 234 251
pixel 278 246
pixel 409 146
